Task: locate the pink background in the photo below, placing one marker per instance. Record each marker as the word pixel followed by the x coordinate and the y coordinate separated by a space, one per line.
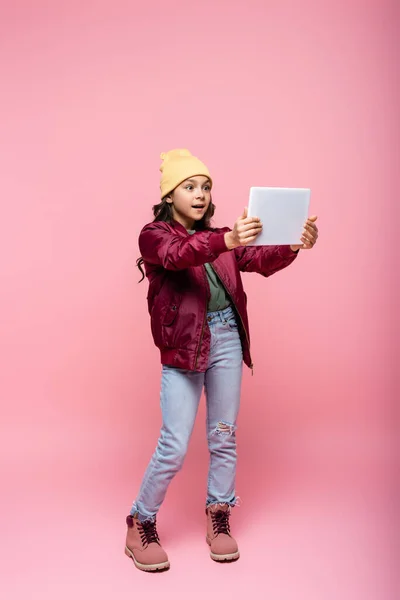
pixel 266 93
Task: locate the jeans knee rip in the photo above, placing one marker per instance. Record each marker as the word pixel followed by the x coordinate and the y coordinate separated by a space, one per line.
pixel 224 428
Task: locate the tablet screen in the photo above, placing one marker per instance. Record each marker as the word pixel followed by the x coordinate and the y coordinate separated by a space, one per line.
pixel 283 212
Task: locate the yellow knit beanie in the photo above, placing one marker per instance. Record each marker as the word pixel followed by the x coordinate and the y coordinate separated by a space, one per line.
pixel 177 166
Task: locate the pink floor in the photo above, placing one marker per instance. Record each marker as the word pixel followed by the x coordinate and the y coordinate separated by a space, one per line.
pixel 321 528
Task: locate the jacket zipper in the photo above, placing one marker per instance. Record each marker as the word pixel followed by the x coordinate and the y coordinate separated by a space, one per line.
pixel 238 313
pixel 204 324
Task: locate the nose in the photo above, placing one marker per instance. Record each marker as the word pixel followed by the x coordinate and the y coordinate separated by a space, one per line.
pixel 199 193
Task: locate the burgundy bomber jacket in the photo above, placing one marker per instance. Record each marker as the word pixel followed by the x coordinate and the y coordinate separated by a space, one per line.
pixel 179 291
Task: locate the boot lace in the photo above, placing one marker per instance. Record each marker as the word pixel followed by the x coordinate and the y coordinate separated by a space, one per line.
pixel 220 522
pixel 148 532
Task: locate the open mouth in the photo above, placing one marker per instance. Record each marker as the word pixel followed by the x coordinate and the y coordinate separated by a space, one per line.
pixel 199 206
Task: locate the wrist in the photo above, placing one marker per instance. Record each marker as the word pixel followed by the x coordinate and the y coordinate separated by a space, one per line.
pixel 230 241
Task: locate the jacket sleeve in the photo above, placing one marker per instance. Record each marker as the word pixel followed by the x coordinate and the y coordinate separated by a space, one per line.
pixel 265 260
pixel 160 246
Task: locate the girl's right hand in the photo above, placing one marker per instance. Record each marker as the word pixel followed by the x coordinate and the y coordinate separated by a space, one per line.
pixel 245 231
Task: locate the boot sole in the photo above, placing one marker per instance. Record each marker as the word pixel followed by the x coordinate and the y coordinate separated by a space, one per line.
pixel 224 557
pixel 148 568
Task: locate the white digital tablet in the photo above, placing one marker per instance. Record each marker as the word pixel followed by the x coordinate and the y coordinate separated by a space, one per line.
pixel 282 211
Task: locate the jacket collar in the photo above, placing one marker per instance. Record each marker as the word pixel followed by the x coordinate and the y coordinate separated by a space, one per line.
pixel 179 226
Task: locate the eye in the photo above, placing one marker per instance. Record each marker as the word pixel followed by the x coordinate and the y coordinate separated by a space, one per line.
pixel 189 187
pixel 207 187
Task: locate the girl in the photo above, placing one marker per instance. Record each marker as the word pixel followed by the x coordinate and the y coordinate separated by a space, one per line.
pixel 199 323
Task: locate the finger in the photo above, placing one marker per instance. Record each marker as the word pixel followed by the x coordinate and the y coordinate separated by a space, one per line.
pixel 245 211
pixel 313 218
pixel 248 240
pixel 307 243
pixel 310 236
pixel 245 234
pixel 250 233
pixel 253 221
pixel 250 220
pixel 310 232
pixel 310 226
pixel 251 225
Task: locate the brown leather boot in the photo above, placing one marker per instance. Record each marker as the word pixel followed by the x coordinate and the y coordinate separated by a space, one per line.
pixel 223 546
pixel 143 545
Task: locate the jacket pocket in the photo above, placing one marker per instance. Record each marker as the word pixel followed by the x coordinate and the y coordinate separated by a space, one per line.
pixel 163 322
pixel 169 325
pixel 170 314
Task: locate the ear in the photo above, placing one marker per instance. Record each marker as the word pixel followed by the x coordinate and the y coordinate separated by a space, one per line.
pixel 168 199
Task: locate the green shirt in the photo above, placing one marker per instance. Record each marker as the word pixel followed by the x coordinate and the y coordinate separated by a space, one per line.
pixel 219 298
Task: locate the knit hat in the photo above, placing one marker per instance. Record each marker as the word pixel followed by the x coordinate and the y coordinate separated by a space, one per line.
pixel 177 166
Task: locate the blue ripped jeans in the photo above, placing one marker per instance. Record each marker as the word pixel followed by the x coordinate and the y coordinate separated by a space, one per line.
pixel 180 396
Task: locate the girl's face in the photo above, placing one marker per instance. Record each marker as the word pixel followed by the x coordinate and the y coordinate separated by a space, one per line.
pixel 190 200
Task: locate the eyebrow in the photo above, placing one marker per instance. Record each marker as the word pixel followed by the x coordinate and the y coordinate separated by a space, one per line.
pixel 194 181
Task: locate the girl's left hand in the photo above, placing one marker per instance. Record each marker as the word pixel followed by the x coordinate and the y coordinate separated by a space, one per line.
pixel 310 235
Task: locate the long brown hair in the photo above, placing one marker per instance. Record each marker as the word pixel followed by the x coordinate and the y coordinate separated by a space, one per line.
pixel 163 212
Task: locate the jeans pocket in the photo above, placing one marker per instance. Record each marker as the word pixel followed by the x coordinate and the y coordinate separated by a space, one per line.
pixel 232 323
